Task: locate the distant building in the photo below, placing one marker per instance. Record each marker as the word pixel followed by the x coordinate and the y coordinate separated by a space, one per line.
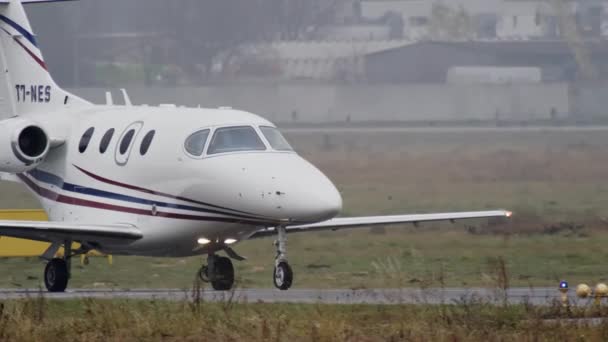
pixel 356 32
pixel 475 19
pixel 341 61
pixel 430 19
pixel 351 40
pixel 526 20
pixel 415 15
pixel 431 62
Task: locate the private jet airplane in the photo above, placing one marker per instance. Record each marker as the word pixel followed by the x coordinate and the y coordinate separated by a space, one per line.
pixel 155 181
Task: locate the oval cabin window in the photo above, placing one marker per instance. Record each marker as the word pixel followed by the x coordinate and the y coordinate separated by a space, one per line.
pixel 105 140
pixel 86 139
pixel 146 142
pixel 126 141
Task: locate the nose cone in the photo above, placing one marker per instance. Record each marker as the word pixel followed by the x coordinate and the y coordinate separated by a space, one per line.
pixel 277 186
pixel 317 202
pixel 309 196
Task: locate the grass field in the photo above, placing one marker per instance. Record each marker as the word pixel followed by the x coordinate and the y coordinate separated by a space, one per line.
pixel 555 182
pixel 36 319
pixel 397 258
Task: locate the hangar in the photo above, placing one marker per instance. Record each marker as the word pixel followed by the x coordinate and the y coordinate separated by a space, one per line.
pixel 430 61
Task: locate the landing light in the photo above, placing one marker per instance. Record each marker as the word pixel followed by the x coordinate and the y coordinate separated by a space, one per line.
pixel 203 241
pixel 509 214
pixel 230 241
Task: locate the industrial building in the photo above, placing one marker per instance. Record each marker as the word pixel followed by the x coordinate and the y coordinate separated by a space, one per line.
pixel 430 62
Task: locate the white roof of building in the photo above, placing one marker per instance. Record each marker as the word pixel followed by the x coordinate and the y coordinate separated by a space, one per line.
pixel 323 50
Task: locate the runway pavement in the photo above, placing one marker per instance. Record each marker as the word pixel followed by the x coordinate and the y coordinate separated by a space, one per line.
pixel 535 296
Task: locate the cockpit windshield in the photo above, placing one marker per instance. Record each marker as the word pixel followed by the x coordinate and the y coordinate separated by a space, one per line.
pixel 235 139
pixel 276 140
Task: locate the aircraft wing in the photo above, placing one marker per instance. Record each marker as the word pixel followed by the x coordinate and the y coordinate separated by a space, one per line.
pixel 368 221
pixel 58 231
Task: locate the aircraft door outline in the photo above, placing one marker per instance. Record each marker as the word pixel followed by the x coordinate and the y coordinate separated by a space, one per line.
pixel 125 143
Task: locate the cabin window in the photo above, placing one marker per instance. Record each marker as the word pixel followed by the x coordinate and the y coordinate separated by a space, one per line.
pixel 126 141
pixel 146 142
pixel 86 139
pixel 195 144
pixel 105 140
pixel 235 139
pixel 276 140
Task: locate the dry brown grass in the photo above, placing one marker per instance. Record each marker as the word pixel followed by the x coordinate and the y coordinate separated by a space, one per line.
pixel 90 320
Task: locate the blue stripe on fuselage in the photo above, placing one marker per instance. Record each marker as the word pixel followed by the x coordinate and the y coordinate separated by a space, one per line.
pixel 46 177
pixel 49 178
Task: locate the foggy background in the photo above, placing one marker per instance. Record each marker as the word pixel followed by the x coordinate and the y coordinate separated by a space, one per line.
pixel 340 61
pixel 499 64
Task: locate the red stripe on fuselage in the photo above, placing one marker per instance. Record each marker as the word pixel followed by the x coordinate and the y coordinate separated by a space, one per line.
pixel 156 193
pixel 32 54
pixel 53 196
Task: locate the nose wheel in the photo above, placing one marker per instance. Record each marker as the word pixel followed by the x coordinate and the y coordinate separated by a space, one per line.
pixel 283 274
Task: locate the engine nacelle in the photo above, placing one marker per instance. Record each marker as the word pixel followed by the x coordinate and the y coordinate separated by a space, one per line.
pixel 23 145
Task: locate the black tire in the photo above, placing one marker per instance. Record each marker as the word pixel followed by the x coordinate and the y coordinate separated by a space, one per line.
pixel 56 275
pixel 282 276
pixel 223 277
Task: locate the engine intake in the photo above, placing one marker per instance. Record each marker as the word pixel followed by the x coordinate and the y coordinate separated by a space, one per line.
pixel 23 145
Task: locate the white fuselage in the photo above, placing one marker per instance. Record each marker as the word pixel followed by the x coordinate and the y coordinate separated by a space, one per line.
pixel 174 198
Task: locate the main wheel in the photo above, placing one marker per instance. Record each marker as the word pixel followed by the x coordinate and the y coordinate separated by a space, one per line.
pixel 223 274
pixel 283 276
pixel 56 275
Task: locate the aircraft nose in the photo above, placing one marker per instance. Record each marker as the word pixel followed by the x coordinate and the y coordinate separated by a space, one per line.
pixel 322 204
pixel 276 186
pixel 311 197
pixel 332 203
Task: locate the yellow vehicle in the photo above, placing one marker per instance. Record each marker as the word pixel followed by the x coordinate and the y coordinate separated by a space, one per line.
pixel 15 248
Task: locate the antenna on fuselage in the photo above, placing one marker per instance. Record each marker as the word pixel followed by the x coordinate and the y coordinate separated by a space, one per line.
pixel 109 99
pixel 126 97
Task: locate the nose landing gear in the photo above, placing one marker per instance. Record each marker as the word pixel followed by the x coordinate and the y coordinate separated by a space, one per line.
pixel 283 274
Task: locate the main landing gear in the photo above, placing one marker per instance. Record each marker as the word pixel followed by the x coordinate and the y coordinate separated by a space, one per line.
pixel 219 271
pixel 57 270
pixel 56 275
